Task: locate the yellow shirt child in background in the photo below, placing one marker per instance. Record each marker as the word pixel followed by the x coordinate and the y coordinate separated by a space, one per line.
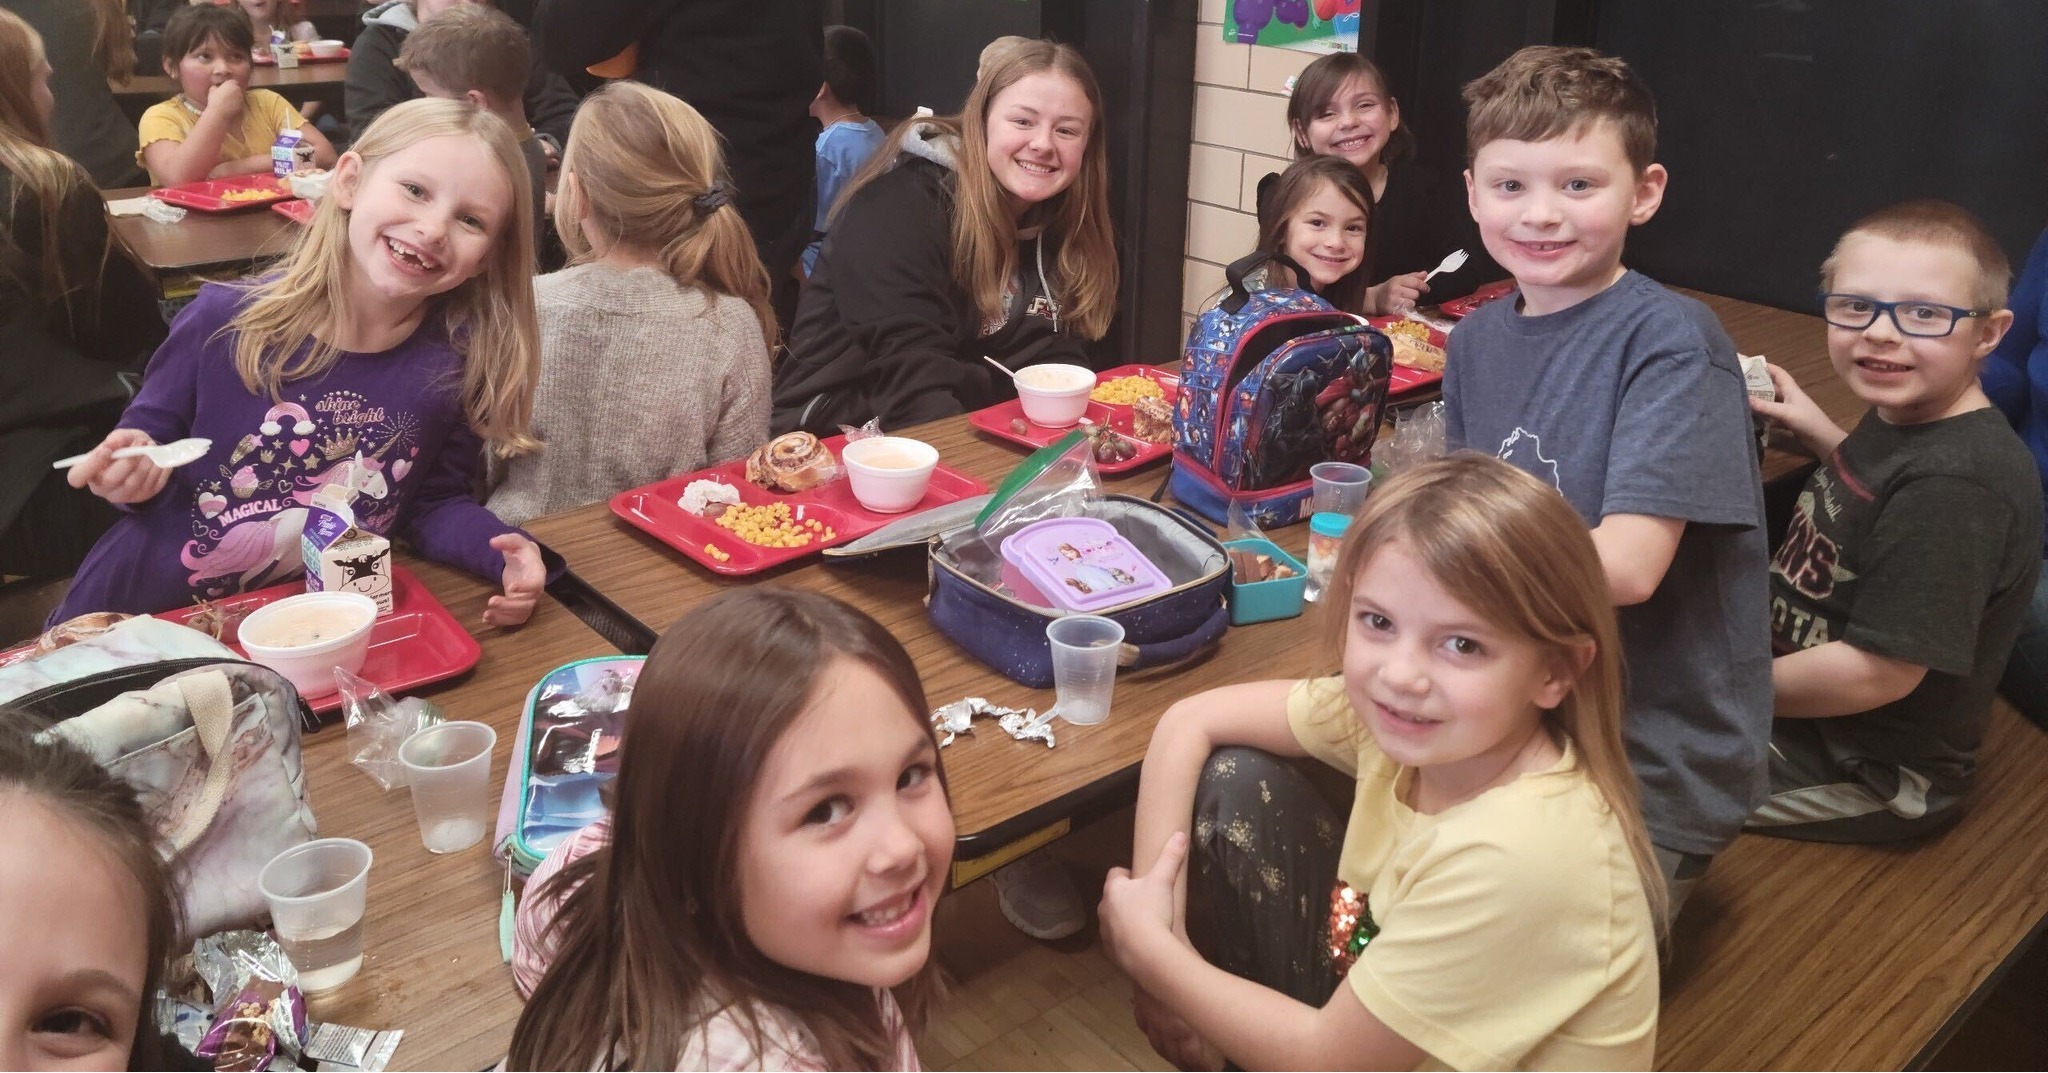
pixel 215 126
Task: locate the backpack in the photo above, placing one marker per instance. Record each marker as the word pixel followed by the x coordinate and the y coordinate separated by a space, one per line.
pixel 1272 382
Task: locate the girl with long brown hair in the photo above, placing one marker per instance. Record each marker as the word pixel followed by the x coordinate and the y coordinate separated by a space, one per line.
pixel 88 914
pixel 76 313
pixel 761 896
pixel 1492 899
pixel 393 348
pixel 1341 106
pixel 985 233
pixel 655 341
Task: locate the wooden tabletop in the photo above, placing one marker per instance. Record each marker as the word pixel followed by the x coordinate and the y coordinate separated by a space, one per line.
pixel 430 945
pixel 1004 789
pixel 293 83
pixel 1797 343
pixel 203 240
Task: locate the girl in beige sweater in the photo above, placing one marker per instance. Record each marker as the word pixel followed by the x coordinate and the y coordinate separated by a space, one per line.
pixel 655 341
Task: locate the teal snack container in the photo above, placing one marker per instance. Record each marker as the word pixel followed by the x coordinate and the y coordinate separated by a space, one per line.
pixel 1266 601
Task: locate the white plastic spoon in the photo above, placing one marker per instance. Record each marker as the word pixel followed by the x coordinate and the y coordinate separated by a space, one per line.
pixel 1452 263
pixel 166 455
pixel 1006 370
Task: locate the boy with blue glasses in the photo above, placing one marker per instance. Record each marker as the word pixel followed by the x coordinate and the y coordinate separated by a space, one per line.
pixel 1913 552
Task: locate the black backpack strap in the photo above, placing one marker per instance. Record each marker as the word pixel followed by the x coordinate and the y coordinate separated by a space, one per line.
pixel 1235 272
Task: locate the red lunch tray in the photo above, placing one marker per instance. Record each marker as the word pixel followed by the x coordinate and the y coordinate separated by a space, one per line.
pixel 262 58
pixel 417 643
pixel 206 196
pixel 653 508
pixel 1458 308
pixel 1404 379
pixel 995 420
pixel 297 210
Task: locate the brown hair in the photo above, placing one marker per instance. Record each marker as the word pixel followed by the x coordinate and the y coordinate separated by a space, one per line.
pixel 64 778
pixel 985 231
pixel 1508 547
pixel 1297 184
pixel 649 937
pixel 470 47
pixel 1933 222
pixel 1318 85
pixel 1549 91
pixel 648 172
pixel 489 317
pixel 113 44
pixel 44 180
pixel 195 24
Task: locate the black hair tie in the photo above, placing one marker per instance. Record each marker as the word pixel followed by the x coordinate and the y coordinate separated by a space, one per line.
pixel 713 199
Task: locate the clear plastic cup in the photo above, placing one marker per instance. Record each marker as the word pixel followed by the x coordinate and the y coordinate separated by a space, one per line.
pixel 1084 655
pixel 449 766
pixel 316 893
pixel 1340 487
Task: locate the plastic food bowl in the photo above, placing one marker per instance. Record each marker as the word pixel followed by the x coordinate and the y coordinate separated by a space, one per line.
pixel 1266 601
pixel 306 637
pixel 889 474
pixel 1054 396
pixel 326 48
pixel 311 185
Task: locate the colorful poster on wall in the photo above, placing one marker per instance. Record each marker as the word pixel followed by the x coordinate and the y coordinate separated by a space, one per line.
pixel 1304 25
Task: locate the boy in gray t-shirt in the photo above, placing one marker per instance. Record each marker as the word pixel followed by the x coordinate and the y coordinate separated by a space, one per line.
pixel 1628 398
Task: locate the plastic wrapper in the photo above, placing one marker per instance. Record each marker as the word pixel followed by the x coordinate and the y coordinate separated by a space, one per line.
pixel 1248 566
pixel 1418 438
pixel 1023 724
pixel 236 1002
pixel 378 725
pixel 1065 488
pixel 162 212
pixel 258 1012
pixel 869 431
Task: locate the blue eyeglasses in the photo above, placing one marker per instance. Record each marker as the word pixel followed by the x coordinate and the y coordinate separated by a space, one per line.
pixel 1926 320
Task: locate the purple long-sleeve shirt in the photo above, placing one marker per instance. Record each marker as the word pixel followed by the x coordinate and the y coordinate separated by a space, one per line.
pixel 230 522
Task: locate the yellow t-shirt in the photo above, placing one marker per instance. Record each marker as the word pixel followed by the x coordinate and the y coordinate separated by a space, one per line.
pixel 264 114
pixel 1514 933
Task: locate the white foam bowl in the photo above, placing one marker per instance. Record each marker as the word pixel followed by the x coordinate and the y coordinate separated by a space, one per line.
pixel 326 48
pixel 1054 396
pixel 342 622
pixel 889 489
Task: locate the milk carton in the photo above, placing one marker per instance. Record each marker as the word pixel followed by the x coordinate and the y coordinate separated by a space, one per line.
pixel 339 556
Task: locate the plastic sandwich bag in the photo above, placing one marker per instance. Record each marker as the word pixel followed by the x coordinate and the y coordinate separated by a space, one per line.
pixel 378 725
pixel 1418 438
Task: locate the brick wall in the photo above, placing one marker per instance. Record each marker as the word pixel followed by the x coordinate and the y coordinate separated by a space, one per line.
pixel 1240 135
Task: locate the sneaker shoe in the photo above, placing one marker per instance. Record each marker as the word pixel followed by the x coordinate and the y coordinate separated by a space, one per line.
pixel 1038 896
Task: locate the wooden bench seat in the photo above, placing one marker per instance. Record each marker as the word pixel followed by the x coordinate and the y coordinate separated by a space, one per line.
pixel 1803 955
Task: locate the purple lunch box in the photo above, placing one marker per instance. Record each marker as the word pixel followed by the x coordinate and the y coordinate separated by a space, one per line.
pixel 1082 564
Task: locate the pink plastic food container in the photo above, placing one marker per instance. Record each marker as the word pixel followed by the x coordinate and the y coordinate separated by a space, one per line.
pixel 1082 564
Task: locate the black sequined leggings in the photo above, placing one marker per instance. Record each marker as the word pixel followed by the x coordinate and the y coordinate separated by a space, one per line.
pixel 1262 860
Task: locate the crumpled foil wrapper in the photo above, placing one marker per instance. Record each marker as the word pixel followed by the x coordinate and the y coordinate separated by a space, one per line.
pixel 1023 724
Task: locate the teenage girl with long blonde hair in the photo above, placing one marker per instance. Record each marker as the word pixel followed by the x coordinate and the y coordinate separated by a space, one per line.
pixel 985 233
pixel 394 347
pixel 76 314
pixel 1492 900
pixel 654 342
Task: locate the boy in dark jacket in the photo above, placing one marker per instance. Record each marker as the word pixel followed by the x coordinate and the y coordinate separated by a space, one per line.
pixel 375 82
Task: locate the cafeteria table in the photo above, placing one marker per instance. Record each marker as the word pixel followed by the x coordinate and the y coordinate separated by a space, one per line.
pixel 430 939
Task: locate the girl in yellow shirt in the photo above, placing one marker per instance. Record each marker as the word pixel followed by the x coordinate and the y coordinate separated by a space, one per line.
pixel 1491 901
pixel 216 126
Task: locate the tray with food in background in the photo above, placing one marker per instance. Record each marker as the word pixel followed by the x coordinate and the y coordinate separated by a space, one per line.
pixel 789 499
pixel 418 642
pixel 328 51
pixel 1459 308
pixel 225 195
pixel 1133 401
pixel 1418 352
